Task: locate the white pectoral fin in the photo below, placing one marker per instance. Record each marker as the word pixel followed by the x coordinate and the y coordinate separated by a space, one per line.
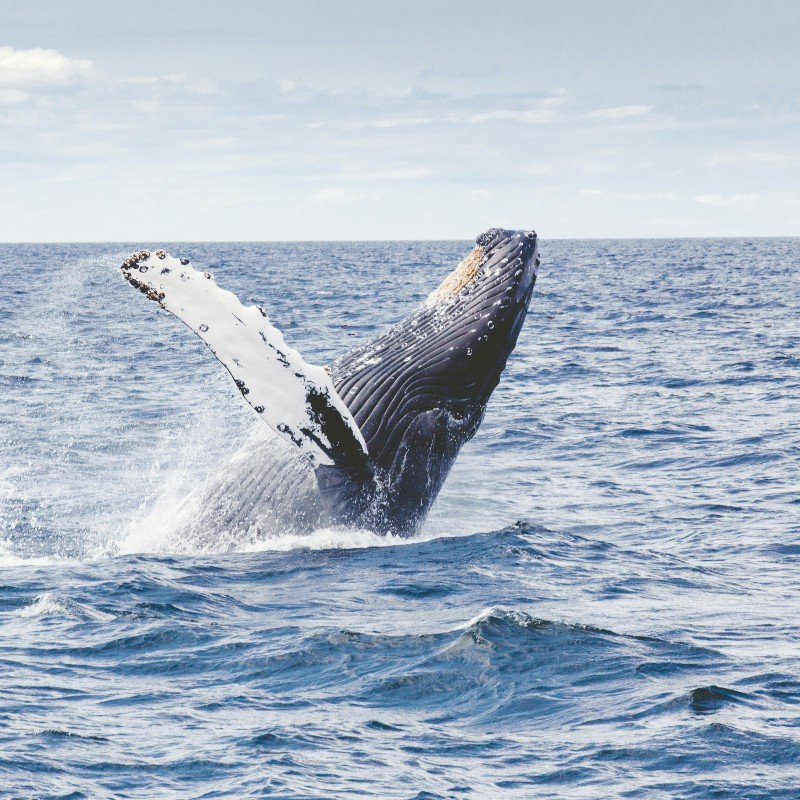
pixel 296 399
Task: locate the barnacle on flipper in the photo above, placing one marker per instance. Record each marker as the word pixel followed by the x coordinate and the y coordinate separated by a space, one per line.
pixel 134 262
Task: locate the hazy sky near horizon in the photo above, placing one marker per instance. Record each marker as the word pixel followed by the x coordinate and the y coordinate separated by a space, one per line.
pixel 207 120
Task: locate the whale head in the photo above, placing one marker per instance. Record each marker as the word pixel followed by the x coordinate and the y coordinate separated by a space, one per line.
pixel 418 392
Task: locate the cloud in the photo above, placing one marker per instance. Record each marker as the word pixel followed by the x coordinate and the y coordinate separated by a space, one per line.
pixel 339 196
pixel 393 122
pixel 333 194
pixel 558 98
pixel 408 174
pixel 150 80
pixel 39 67
pixel 148 105
pixel 620 112
pixel 775 158
pixel 400 123
pixel 540 116
pixel 787 200
pixel 11 97
pixel 226 143
pixel 741 202
pixel 633 197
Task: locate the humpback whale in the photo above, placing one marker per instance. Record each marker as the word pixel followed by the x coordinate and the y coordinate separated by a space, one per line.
pixel 368 441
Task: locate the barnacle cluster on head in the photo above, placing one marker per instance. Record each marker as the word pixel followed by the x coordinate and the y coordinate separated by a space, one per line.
pixel 460 277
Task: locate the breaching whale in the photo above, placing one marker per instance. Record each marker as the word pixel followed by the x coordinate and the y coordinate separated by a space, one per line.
pixel 368 441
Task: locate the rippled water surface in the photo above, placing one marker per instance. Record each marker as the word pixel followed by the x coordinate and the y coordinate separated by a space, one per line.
pixel 604 602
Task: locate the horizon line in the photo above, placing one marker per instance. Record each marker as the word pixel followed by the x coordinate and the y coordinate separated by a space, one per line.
pixel 376 240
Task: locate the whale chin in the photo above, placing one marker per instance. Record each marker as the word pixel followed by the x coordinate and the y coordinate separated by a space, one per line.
pixel 368 441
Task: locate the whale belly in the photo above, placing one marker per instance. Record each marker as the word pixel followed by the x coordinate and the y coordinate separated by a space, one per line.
pixel 267 491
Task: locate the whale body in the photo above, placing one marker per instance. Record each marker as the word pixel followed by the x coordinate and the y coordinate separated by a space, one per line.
pixel 368 441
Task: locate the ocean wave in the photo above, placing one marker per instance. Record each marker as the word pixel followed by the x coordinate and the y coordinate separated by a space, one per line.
pixel 49 604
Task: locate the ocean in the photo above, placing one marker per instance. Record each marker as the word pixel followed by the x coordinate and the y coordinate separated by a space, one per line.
pixel 603 603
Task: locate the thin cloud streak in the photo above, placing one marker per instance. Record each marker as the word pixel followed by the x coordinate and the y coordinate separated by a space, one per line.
pixel 740 202
pixel 620 112
pixel 542 116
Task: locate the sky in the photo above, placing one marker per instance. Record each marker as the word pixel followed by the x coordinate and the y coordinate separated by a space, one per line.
pixel 183 120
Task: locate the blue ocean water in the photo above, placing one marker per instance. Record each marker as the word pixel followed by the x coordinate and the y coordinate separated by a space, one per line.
pixel 604 602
